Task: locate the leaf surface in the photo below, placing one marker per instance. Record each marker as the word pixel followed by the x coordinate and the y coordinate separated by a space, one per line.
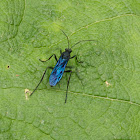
pixel 104 92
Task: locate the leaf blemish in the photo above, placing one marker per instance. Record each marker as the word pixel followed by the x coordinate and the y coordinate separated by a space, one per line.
pixel 26 93
pixel 107 84
pixel 42 122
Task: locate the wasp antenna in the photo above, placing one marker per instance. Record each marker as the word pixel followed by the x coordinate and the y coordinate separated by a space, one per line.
pixel 81 41
pixel 66 37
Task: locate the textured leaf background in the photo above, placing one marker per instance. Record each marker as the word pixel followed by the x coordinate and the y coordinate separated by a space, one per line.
pixel 104 92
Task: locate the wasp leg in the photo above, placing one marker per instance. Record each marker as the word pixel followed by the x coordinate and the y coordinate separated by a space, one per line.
pixel 60 51
pixel 68 83
pixel 41 79
pixel 76 59
pixel 70 67
pixel 49 58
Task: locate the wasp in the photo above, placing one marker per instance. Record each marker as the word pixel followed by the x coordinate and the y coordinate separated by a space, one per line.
pixel 59 69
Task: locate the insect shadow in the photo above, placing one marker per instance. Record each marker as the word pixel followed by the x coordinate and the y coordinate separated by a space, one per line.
pixel 59 69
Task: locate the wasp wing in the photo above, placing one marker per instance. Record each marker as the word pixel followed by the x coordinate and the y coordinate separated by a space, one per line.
pixel 58 71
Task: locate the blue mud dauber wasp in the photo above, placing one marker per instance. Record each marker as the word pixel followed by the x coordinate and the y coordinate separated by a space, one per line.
pixel 59 69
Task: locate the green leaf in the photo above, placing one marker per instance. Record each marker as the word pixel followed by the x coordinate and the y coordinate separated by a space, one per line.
pixel 104 91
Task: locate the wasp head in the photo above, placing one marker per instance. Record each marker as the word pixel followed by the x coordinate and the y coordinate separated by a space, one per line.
pixel 68 50
pixel 66 54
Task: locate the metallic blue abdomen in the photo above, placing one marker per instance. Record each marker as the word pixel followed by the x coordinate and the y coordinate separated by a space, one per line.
pixel 58 71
